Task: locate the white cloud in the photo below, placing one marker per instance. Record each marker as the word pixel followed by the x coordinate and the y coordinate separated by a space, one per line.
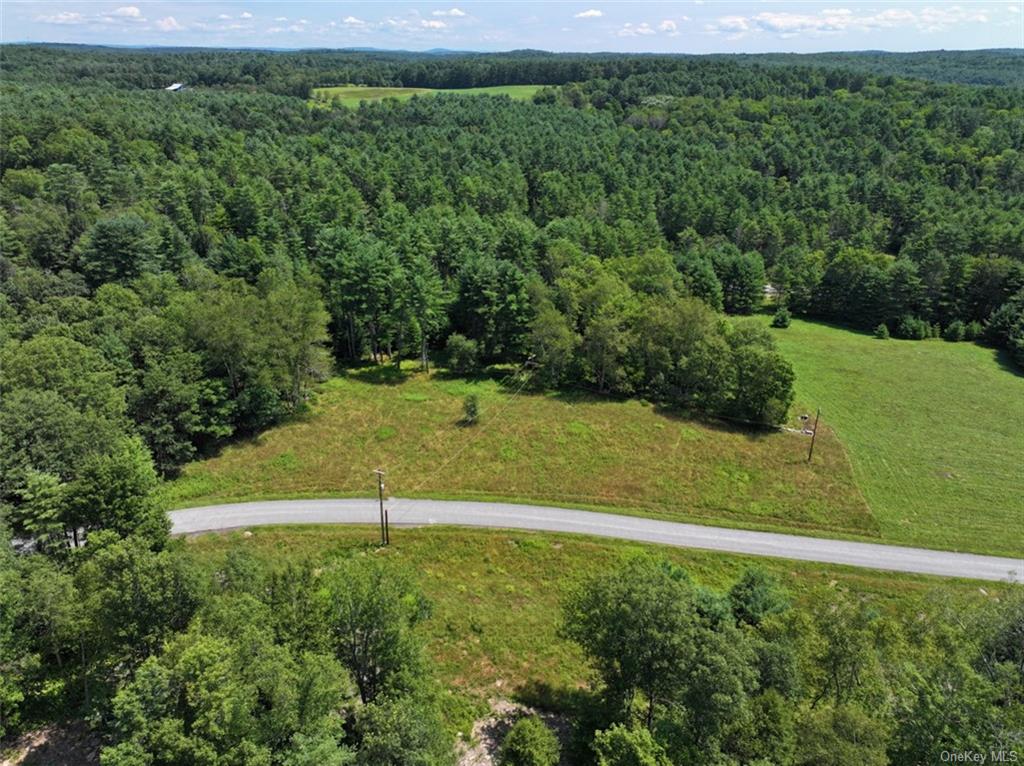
pixel 450 12
pixel 128 12
pixel 733 24
pixel 168 24
pixel 593 13
pixel 223 17
pixel 274 30
pixel 245 15
pixel 1013 8
pixel 837 20
pixel 64 17
pixel 432 24
pixel 281 18
pixel 635 30
pixel 352 21
pixel 670 27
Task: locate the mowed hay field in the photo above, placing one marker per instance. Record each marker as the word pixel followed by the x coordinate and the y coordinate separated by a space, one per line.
pixel 574 450
pixel 935 432
pixel 352 95
pixel 496 596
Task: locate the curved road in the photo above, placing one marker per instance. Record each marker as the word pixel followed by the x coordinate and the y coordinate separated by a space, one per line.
pixel 541 518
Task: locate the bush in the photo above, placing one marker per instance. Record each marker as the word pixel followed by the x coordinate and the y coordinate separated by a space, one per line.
pixel 973 330
pixel 781 318
pixel 912 328
pixel 882 331
pixel 955 331
pixel 529 743
pixel 755 596
pixel 620 746
pixel 463 354
pixel 470 410
pixel 1006 327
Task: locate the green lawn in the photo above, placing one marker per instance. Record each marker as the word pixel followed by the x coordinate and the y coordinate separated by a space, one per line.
pixel 496 595
pixel 575 450
pixel 935 432
pixel 352 95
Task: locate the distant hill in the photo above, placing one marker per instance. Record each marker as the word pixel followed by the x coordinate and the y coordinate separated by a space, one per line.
pixel 997 66
pixel 296 70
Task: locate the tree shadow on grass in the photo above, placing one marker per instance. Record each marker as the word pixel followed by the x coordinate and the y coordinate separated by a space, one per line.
pixel 1005 362
pixel 377 374
pixel 543 696
pixel 497 374
pixel 752 431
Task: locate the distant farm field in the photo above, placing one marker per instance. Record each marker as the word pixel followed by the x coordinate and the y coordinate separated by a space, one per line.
pixel 352 95
pixel 569 449
pixel 935 432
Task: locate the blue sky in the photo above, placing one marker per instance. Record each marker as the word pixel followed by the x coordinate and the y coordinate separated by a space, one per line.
pixel 683 26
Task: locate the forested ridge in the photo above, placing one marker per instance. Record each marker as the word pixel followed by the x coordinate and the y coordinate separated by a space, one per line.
pixel 179 269
pixel 294 72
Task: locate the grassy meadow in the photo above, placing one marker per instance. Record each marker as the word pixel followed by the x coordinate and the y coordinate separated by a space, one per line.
pixel 935 432
pixel 352 95
pixel 496 596
pixel 921 445
pixel 572 449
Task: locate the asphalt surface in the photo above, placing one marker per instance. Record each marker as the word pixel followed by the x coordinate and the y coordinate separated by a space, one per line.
pixel 542 518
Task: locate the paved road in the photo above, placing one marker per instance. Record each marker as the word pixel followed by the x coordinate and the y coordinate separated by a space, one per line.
pixel 508 516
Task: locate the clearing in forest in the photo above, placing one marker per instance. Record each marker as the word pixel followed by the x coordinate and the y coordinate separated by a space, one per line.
pixel 352 95
pixel 571 449
pixel 935 432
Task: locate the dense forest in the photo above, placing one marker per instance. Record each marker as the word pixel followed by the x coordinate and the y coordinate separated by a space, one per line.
pixel 179 269
pixel 294 72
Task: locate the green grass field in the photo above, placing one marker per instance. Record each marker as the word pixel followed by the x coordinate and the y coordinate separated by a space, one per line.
pixel 352 95
pixel 935 432
pixel 575 450
pixel 496 595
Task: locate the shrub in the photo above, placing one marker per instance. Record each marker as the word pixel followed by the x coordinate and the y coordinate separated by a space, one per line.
pixel 620 746
pixel 755 596
pixel 529 743
pixel 955 331
pixel 882 331
pixel 470 410
pixel 912 328
pixel 781 318
pixel 1006 327
pixel 973 330
pixel 463 354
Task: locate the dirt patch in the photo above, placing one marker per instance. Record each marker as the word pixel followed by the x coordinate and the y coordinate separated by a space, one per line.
pixel 69 745
pixel 489 732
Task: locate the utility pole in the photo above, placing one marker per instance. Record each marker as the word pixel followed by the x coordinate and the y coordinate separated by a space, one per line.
pixel 380 495
pixel 814 434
